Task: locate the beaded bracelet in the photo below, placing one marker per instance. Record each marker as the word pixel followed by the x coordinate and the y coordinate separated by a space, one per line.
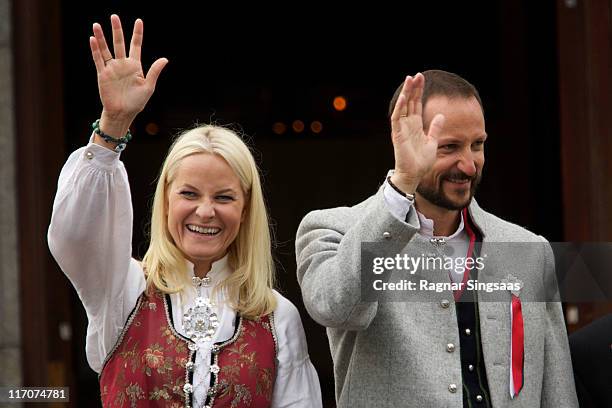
pixel 121 143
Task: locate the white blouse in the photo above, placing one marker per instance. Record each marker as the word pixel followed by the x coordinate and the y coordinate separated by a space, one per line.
pixel 90 237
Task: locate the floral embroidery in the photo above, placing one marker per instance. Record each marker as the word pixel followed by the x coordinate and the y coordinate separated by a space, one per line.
pixel 248 368
pixel 153 357
pixel 134 393
pixel 148 365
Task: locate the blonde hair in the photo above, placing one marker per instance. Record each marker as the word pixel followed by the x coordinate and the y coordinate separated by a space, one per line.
pixel 249 286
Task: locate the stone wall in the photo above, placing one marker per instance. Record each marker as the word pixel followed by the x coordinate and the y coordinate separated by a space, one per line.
pixel 10 350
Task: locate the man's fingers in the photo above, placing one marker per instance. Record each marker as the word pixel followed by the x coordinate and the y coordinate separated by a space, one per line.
pixel 155 70
pixel 118 41
pixel 436 125
pixel 399 109
pixel 136 43
pixel 398 112
pixel 99 35
pixel 419 84
pixel 95 53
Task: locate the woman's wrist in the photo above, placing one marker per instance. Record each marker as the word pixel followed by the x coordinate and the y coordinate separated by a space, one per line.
pixel 115 125
pixel 112 125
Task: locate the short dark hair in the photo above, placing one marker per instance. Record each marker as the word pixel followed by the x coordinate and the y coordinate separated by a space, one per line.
pixel 441 83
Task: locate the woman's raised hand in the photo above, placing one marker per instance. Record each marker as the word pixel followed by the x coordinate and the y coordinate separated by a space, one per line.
pixel 124 89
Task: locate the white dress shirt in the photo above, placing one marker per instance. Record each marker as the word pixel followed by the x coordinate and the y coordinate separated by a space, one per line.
pixel 456 244
pixel 90 236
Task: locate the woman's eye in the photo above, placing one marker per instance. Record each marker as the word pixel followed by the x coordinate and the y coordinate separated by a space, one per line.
pixel 188 194
pixel 225 198
pixel 447 147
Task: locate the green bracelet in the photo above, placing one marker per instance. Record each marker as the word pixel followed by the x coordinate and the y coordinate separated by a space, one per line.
pixel 121 143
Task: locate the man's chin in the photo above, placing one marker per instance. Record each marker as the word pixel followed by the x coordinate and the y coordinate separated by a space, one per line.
pixel 458 198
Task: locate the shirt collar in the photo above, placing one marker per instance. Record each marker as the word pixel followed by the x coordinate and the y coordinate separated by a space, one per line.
pixel 427 227
pixel 219 270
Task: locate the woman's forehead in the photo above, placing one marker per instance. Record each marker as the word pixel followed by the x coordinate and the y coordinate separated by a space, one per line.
pixel 204 169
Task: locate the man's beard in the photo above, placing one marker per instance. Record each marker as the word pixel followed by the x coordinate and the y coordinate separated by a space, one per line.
pixel 437 197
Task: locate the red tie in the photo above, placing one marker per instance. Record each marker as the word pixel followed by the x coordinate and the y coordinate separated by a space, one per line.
pixel 516 318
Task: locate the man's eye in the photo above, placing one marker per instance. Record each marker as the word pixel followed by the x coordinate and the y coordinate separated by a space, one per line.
pixel 447 147
pixel 479 144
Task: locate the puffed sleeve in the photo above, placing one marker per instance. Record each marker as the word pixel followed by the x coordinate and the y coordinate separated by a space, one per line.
pixel 297 382
pixel 90 237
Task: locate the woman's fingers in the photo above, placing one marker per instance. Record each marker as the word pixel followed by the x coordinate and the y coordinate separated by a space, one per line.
pixel 99 35
pixel 118 41
pixel 154 71
pixel 96 55
pixel 136 43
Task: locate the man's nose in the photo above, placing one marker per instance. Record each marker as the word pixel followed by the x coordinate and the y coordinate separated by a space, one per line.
pixel 467 164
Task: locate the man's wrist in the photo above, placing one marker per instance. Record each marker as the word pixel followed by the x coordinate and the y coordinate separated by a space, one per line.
pixel 408 195
pixel 400 183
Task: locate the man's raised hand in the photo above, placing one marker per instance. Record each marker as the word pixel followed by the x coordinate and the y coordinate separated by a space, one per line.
pixel 414 151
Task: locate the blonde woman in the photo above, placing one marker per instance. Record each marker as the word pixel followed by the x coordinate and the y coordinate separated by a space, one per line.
pixel 196 323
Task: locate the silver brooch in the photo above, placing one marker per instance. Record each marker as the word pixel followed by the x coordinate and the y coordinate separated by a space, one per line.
pixel 200 322
pixel 515 282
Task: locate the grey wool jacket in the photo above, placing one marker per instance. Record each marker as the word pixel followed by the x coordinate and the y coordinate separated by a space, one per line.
pixel 393 354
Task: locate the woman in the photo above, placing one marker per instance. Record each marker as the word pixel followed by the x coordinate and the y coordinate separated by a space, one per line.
pixel 196 323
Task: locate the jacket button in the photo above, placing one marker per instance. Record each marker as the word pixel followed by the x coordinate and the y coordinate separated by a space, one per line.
pixel 452 388
pixel 470 368
pixel 468 332
pixel 479 398
pixel 89 155
pixel 450 347
pixel 444 304
pixel 386 235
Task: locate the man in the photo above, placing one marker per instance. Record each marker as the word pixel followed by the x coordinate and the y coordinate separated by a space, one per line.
pixel 591 349
pixel 457 348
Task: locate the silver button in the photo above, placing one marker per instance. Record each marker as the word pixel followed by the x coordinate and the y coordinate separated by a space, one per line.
pixel 452 388
pixel 470 368
pixel 468 332
pixel 386 235
pixel 89 155
pixel 193 347
pixel 479 398
pixel 444 304
pixel 450 347
pixel 189 365
pixel 188 388
pixel 214 369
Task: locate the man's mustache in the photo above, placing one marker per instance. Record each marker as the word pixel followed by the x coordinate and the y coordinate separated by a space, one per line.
pixel 458 175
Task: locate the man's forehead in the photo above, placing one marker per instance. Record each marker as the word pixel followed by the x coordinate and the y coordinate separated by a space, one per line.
pixel 457 108
pixel 435 102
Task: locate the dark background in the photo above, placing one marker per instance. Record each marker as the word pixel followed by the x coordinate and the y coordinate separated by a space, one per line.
pixel 251 67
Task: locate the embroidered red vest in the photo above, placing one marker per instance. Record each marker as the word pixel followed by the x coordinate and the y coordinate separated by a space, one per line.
pixel 150 363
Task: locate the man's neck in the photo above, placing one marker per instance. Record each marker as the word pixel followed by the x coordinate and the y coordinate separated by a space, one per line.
pixel 445 221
